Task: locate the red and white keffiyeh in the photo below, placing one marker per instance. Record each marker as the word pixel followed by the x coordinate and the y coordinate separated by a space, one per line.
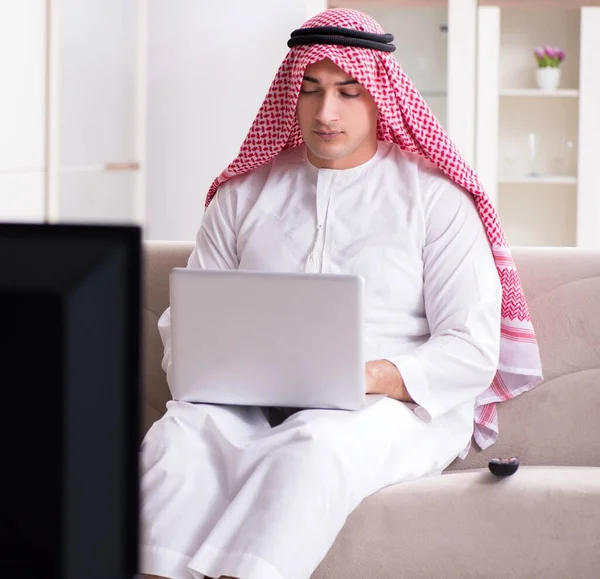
pixel 404 119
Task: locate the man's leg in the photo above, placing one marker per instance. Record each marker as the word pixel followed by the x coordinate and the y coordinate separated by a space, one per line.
pixel 304 477
pixel 188 463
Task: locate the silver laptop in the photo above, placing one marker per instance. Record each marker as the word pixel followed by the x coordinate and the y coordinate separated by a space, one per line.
pixel 267 339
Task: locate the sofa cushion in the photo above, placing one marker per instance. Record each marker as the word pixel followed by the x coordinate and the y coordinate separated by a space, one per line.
pixel 541 522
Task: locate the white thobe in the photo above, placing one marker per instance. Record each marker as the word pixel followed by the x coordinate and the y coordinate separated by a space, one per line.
pixel 226 494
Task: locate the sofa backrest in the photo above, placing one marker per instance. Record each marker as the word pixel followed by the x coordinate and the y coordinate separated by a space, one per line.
pixel 557 423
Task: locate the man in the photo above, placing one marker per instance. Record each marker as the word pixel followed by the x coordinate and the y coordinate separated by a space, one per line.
pixel 345 170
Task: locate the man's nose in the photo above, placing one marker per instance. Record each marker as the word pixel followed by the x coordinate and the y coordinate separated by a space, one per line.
pixel 328 110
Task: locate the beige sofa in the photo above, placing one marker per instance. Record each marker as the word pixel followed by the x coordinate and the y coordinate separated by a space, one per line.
pixel 543 522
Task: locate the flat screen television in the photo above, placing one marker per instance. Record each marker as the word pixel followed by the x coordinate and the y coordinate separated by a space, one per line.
pixel 69 424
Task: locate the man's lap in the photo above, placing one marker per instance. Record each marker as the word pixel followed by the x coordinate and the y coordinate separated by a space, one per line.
pixel 382 429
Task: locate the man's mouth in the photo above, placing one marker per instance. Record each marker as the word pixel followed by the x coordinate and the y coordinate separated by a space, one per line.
pixel 328 135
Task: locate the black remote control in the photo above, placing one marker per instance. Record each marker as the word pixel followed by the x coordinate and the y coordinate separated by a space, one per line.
pixel 503 466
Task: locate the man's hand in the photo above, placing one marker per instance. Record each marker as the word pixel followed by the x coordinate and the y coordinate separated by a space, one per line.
pixel 382 377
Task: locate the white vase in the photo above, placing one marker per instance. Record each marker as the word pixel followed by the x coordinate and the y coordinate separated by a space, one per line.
pixel 548 78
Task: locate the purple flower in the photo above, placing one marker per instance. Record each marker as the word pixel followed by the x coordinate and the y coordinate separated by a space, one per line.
pixel 549 56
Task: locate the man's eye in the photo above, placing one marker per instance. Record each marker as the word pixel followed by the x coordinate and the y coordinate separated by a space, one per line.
pixel 349 95
pixel 304 91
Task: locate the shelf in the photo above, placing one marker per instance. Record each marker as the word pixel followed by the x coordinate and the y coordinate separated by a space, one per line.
pixel 543 4
pixel 360 4
pixel 542 180
pixel 536 92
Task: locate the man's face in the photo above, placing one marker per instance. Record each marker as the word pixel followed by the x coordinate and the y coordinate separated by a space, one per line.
pixel 337 117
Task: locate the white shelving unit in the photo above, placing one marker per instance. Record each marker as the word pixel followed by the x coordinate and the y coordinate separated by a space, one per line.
pixel 549 180
pixel 480 82
pixel 536 149
pixel 537 93
pixel 75 109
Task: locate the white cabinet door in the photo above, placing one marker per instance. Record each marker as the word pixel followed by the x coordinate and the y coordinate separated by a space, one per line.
pixel 22 197
pixel 97 197
pixel 96 108
pixel 23 77
pixel 22 109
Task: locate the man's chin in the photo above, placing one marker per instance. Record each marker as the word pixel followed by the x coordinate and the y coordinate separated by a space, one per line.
pixel 327 152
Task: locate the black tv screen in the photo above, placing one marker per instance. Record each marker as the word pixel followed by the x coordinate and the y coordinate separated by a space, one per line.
pixel 70 373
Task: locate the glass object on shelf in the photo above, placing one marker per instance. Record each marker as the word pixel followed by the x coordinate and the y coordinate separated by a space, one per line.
pixel 524 157
pixel 536 157
pixel 564 158
pixel 510 158
pixel 533 141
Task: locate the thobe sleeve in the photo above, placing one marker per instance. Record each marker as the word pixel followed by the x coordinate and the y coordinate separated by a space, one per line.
pixel 462 296
pixel 215 249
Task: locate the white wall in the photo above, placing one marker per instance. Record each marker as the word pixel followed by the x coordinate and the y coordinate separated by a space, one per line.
pixel 314 7
pixel 210 66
